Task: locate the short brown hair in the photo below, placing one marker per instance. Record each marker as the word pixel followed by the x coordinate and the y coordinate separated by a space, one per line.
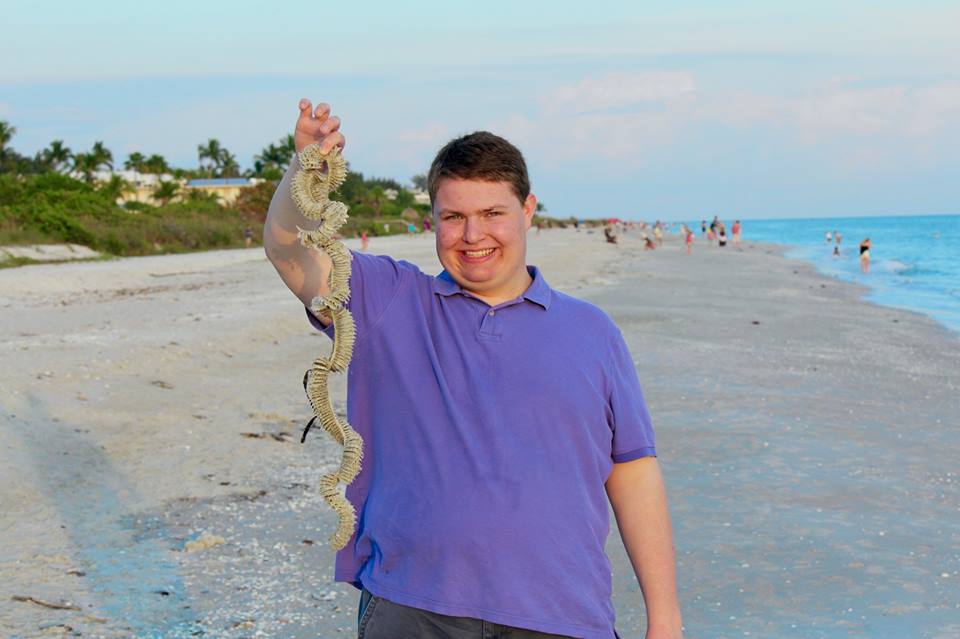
pixel 483 156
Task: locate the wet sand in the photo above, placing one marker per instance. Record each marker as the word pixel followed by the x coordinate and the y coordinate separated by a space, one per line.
pixel 809 441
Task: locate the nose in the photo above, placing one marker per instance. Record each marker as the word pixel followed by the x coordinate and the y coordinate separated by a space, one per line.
pixel 473 230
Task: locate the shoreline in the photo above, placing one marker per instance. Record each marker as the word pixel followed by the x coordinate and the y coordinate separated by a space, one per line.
pixel 59 254
pixel 149 400
pixel 865 288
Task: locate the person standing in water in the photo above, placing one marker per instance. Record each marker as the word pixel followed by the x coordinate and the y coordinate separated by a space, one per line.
pixel 865 255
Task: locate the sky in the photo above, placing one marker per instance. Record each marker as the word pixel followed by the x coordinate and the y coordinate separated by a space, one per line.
pixel 643 110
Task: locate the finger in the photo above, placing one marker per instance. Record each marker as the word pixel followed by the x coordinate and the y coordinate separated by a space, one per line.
pixel 332 140
pixel 322 111
pixel 332 124
pixel 306 113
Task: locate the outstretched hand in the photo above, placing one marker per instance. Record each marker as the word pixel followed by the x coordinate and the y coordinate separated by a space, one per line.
pixel 317 126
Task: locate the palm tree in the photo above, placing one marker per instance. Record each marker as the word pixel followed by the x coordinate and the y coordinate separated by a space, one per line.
pixel 275 156
pixel 57 156
pixel 166 191
pixel 6 133
pixel 227 165
pixel 102 155
pixel 135 162
pixel 212 151
pixel 375 199
pixel 116 187
pixel 156 164
pixel 86 165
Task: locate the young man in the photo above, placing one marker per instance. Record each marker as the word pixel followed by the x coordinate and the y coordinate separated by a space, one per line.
pixel 498 416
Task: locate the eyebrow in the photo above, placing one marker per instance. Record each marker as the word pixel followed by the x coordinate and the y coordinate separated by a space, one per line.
pixel 489 209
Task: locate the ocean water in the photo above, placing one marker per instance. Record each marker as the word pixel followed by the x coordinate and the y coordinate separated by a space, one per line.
pixel 915 260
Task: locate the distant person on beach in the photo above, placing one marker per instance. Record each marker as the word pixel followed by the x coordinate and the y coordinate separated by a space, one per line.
pixel 837 237
pixel 688 239
pixel 829 237
pixel 722 238
pixel 735 229
pixel 247 237
pixel 426 225
pixel 865 255
pixel 501 420
pixel 364 241
pixel 610 234
pixel 658 233
pixel 648 244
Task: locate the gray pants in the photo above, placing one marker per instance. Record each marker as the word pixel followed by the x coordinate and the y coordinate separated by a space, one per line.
pixel 382 619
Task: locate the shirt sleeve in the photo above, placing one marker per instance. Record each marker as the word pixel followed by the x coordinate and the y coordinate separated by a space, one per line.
pixel 630 422
pixel 375 280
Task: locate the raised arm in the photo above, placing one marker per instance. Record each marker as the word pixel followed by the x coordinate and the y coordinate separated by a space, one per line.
pixel 305 271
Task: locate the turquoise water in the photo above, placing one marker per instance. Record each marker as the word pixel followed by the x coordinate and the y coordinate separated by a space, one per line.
pixel 915 260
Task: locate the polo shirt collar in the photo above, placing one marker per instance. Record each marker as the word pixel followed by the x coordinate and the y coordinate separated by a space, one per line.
pixel 538 292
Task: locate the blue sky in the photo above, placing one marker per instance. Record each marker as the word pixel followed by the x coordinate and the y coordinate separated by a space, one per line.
pixel 643 110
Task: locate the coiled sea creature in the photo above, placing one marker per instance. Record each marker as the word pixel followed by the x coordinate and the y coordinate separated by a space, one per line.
pixel 319 175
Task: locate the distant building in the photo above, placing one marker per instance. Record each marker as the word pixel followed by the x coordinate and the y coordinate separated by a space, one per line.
pixel 142 184
pixel 420 196
pixel 226 189
pixel 390 194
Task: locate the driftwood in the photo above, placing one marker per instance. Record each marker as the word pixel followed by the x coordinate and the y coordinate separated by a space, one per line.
pixel 45 604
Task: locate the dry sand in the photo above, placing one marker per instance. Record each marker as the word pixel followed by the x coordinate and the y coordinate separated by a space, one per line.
pixel 153 405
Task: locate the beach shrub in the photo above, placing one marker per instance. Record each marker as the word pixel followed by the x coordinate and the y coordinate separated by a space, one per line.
pixel 255 201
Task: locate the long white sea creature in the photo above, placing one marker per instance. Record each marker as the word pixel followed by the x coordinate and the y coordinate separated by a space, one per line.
pixel 320 175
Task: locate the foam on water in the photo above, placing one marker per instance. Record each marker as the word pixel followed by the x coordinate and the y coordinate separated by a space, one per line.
pixel 915 260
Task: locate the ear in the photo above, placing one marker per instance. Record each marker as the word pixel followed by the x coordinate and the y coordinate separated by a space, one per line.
pixel 529 208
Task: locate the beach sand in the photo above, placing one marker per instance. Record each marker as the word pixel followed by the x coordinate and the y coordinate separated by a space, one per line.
pixel 809 442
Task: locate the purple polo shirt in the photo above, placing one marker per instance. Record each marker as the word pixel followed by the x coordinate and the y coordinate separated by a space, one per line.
pixel 488 435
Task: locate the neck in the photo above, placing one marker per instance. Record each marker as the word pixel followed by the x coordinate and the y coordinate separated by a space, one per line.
pixel 509 291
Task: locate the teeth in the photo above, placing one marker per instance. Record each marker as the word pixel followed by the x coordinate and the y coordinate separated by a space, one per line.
pixel 482 253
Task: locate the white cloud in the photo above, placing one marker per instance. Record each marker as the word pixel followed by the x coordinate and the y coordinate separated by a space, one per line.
pixel 430 135
pixel 619 90
pixel 620 116
pixel 412 147
pixel 878 112
pixel 631 118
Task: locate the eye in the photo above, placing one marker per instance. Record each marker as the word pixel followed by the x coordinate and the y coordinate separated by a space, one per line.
pixel 494 213
pixel 451 216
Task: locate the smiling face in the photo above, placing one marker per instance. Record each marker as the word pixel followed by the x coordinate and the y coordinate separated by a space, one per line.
pixel 482 237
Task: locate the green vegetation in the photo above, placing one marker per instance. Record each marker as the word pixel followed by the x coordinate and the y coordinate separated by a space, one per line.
pixel 54 208
pixel 56 197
